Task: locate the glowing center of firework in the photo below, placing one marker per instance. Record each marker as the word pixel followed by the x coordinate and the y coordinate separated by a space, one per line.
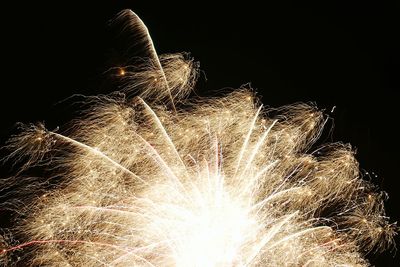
pixel 216 227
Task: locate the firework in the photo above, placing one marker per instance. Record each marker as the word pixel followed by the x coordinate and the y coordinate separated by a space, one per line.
pixel 149 177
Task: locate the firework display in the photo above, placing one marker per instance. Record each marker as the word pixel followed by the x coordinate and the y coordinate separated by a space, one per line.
pixel 148 176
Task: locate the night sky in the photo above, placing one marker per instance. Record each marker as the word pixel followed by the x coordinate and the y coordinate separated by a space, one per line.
pixel 332 54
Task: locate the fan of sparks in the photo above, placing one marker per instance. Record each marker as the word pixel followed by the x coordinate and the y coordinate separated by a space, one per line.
pixel 150 177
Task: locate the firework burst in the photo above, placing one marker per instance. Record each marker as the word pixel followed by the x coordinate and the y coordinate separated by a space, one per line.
pixel 148 177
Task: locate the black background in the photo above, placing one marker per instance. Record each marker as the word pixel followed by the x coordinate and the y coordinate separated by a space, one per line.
pixel 335 54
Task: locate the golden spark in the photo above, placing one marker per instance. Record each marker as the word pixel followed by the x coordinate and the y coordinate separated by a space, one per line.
pixel 159 179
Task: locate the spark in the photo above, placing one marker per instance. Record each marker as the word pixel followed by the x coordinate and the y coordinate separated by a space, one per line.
pixel 151 177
